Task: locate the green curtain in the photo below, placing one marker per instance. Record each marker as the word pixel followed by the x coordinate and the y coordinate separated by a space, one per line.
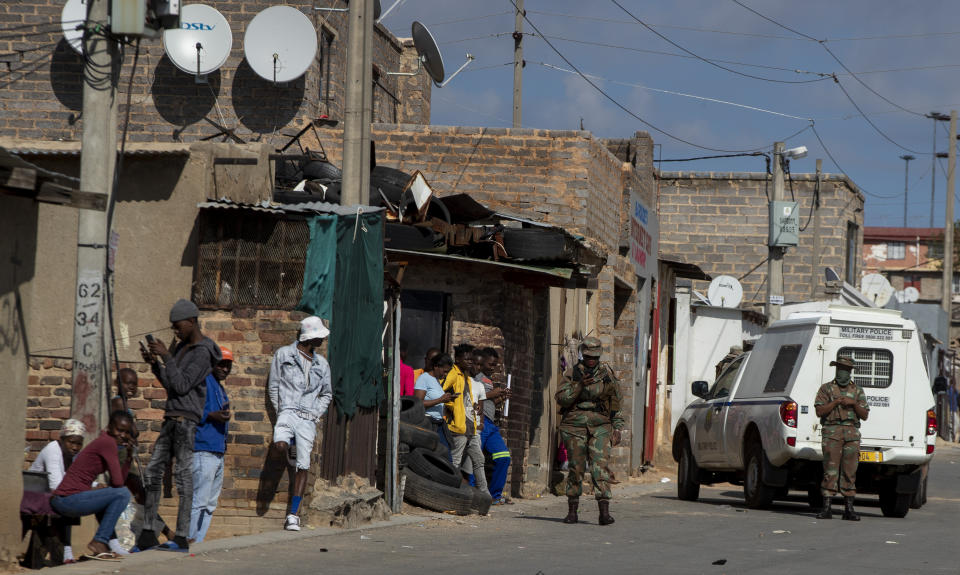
pixel 319 271
pixel 357 326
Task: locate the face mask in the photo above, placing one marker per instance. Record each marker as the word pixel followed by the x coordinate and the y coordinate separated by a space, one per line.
pixel 843 377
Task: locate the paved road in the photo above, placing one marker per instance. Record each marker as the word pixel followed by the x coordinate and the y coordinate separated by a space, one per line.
pixel 654 533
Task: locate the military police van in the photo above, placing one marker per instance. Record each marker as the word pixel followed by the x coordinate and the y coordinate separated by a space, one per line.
pixel 756 423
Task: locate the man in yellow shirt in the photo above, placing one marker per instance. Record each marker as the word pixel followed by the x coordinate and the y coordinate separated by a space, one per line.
pixel 461 427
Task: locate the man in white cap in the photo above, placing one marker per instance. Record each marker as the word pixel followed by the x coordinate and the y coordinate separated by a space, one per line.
pixel 300 392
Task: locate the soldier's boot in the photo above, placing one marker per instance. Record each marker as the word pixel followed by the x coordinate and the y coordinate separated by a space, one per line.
pixel 605 517
pixel 573 503
pixel 848 513
pixel 826 512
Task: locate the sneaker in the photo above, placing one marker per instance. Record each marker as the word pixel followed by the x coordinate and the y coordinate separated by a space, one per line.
pixel 292 523
pixel 503 501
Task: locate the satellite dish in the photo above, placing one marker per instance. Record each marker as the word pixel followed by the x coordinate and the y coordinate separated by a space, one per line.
pixel 831 274
pixel 72 17
pixel 725 291
pixel 428 51
pixel 376 10
pixel 911 294
pixel 280 44
pixel 876 289
pixel 203 42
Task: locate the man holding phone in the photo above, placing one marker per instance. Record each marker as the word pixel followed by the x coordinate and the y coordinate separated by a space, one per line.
pixel 209 445
pixel 182 370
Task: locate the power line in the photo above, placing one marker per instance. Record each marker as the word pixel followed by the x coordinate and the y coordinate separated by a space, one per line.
pixel 873 125
pixel 470 18
pixel 771 20
pixel 711 62
pixel 714 157
pixel 482 37
pixel 682 94
pixel 826 150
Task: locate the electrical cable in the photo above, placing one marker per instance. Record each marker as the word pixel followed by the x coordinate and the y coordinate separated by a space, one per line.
pixel 470 18
pixel 837 164
pixel 35 24
pixel 708 61
pixel 483 37
pixel 872 124
pixel 713 157
pixel 617 103
pixel 772 21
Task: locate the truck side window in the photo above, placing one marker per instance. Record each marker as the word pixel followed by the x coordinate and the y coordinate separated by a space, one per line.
pixel 782 368
pixel 724 383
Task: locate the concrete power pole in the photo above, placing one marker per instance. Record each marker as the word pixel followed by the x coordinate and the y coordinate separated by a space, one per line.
pixel 355 147
pixel 518 64
pixel 775 254
pixel 815 256
pixel 948 225
pixel 91 360
pixel 906 183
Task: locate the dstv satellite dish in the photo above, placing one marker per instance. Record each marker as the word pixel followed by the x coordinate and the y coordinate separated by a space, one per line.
pixel 203 42
pixel 280 44
pixel 725 291
pixel 429 52
pixel 911 294
pixel 876 289
pixel 72 17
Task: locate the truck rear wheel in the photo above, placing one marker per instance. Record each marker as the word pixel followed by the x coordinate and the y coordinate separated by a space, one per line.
pixel 688 488
pixel 756 493
pixel 894 504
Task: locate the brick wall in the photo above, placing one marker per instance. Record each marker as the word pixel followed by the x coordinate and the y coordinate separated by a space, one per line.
pixel 720 223
pixel 253 336
pixel 41 97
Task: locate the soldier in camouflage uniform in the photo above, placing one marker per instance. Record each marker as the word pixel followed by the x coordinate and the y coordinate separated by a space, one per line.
pixel 589 399
pixel 840 405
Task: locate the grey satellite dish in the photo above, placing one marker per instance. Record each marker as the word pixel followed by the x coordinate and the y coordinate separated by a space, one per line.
pixel 72 17
pixel 203 42
pixel 876 289
pixel 280 44
pixel 725 291
pixel 429 52
pixel 911 294
pixel 831 274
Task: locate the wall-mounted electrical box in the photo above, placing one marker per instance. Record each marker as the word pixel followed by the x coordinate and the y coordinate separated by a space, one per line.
pixel 784 224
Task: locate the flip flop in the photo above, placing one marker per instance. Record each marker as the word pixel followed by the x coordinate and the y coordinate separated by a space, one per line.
pixel 104 556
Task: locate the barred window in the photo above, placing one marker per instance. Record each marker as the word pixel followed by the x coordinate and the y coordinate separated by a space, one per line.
pixel 872 367
pixel 249 259
pixel 896 251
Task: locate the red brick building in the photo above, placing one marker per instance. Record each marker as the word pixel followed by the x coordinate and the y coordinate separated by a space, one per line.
pixel 907 257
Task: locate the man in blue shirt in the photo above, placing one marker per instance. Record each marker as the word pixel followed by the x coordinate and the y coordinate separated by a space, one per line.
pixel 429 388
pixel 209 445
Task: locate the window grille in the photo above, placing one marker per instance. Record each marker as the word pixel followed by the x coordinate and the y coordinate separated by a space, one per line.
pixel 896 251
pixel 250 259
pixel 872 367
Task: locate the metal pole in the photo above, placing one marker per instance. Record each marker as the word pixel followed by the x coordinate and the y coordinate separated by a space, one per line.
pixel 948 225
pixel 518 64
pixel 906 182
pixel 775 254
pixel 933 172
pixel 368 87
pixel 815 256
pixel 353 144
pixel 91 371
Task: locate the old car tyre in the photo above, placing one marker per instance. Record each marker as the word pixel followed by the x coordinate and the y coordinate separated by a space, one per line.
pixel 417 436
pixel 390 181
pixel 688 488
pixel 411 409
pixel 429 464
pixel 756 493
pixel 320 170
pixel 894 504
pixel 403 451
pixel 428 494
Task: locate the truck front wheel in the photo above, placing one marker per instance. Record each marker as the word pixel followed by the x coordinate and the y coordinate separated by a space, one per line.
pixel 756 493
pixel 688 488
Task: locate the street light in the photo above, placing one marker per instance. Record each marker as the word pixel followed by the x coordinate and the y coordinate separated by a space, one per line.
pixel 936 117
pixel 906 178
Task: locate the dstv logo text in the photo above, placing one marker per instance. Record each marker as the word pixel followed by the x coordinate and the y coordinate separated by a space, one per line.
pixel 196 26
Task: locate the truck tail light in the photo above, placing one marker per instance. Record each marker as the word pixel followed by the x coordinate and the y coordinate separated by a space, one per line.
pixel 788 413
pixel 792 441
pixel 929 449
pixel 931 421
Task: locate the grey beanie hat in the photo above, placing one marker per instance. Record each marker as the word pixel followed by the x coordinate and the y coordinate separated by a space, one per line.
pixel 183 309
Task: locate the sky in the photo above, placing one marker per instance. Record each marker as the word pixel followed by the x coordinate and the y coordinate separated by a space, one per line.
pixel 895 59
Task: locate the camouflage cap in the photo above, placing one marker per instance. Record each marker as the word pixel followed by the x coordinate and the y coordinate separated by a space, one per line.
pixel 591 347
pixel 844 362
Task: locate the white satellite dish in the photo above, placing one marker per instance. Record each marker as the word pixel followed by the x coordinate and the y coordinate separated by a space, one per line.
pixel 876 289
pixel 72 17
pixel 280 44
pixel 911 294
pixel 725 291
pixel 203 42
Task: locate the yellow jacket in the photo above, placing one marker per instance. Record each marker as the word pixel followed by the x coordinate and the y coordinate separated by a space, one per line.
pixel 457 382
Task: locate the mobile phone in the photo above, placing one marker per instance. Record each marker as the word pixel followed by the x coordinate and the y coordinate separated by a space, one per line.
pixel 143 347
pixel 149 338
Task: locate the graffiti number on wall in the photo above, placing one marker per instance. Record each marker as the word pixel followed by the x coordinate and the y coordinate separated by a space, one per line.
pixel 9 326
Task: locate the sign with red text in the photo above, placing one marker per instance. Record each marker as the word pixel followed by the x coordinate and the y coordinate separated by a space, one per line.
pixel 644 237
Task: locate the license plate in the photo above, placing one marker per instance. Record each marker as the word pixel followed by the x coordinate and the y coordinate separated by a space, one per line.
pixel 871 456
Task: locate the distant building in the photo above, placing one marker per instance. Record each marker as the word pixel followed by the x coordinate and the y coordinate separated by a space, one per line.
pixel 907 257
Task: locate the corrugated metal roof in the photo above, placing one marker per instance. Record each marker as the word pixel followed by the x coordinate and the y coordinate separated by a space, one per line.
pixel 304 208
pixel 559 272
pixel 29 151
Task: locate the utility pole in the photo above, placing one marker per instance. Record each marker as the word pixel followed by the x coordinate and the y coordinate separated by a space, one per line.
pixel 815 256
pixel 518 63
pixel 936 117
pixel 775 253
pixel 355 171
pixel 906 183
pixel 91 365
pixel 948 225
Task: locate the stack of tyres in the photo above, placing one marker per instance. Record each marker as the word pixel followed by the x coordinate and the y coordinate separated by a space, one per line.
pixel 431 481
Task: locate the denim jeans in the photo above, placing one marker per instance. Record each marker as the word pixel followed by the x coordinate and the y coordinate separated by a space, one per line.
pixel 107 504
pixel 175 440
pixel 207 482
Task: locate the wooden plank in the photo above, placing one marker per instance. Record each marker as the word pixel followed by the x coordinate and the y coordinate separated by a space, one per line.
pixel 18 177
pixel 52 193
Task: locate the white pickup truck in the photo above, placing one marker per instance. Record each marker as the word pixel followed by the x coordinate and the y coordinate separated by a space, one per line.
pixel 756 424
